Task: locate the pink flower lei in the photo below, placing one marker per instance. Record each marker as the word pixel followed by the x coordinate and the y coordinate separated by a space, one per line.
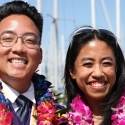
pixel 82 115
pixel 118 116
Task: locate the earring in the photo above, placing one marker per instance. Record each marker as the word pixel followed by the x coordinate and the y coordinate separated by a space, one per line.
pixel 72 76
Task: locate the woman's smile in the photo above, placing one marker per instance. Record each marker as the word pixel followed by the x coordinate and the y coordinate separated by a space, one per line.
pixel 97 84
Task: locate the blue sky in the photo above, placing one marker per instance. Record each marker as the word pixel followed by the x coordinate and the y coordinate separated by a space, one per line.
pixel 80 10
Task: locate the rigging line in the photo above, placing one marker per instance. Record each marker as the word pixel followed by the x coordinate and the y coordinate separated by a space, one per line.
pixel 64 22
pixel 106 15
pixel 74 13
pixel 99 14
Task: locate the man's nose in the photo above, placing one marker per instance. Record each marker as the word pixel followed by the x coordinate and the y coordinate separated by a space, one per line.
pixel 19 46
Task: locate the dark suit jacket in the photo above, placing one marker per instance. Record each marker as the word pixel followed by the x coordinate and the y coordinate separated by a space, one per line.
pixel 16 120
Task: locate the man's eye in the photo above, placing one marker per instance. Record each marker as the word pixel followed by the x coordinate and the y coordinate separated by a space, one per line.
pixel 7 39
pixel 30 40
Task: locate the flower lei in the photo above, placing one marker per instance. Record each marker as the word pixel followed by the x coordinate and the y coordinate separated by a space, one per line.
pixel 118 116
pixel 82 115
pixel 46 104
pixel 49 112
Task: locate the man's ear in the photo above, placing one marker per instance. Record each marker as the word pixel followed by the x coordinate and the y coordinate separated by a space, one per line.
pixel 41 55
pixel 72 73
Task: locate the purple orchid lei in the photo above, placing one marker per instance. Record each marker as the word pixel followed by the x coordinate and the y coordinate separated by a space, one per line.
pixel 118 116
pixel 81 114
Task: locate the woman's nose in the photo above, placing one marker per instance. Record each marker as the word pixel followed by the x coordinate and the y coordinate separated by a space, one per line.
pixel 97 71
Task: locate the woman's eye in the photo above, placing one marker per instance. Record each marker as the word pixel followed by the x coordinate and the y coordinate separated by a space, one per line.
pixel 87 64
pixel 107 64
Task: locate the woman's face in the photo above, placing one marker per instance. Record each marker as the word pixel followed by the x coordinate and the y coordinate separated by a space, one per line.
pixel 95 70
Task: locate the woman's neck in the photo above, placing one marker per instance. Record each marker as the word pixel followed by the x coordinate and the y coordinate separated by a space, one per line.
pixel 95 106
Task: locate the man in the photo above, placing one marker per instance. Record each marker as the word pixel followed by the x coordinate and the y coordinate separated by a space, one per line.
pixel 20 55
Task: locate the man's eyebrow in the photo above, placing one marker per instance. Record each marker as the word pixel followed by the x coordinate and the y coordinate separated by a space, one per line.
pixel 9 31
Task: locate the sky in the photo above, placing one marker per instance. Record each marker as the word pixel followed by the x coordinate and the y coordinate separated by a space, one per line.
pixel 80 11
pixel 73 14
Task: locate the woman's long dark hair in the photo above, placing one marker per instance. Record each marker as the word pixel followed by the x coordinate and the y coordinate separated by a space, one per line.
pixel 71 88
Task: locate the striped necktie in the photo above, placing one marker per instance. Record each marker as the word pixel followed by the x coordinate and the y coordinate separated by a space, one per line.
pixel 23 111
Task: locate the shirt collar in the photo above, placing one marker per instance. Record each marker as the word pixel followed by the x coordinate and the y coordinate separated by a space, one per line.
pixel 12 94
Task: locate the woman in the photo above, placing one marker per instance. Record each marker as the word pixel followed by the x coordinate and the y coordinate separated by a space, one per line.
pixel 94 78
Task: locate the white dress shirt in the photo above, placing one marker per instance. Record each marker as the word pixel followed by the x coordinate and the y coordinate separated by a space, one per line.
pixel 12 94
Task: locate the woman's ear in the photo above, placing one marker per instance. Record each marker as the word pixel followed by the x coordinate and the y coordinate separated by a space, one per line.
pixel 72 73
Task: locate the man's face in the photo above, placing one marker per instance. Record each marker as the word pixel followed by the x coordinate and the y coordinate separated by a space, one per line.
pixel 18 62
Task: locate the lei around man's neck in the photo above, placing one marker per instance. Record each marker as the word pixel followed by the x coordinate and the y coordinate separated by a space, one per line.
pixel 48 107
pixel 46 103
pixel 41 86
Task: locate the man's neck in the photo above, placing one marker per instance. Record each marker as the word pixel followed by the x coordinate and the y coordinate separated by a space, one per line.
pixel 19 85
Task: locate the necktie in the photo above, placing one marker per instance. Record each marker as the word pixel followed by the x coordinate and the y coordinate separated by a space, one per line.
pixel 23 110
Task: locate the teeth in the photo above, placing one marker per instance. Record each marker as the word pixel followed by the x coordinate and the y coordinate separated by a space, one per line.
pixel 18 61
pixel 96 84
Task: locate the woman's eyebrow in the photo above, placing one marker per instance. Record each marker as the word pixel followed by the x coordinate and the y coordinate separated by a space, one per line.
pixel 87 58
pixel 107 58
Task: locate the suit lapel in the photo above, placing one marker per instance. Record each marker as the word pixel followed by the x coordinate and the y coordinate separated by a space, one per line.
pixel 16 120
